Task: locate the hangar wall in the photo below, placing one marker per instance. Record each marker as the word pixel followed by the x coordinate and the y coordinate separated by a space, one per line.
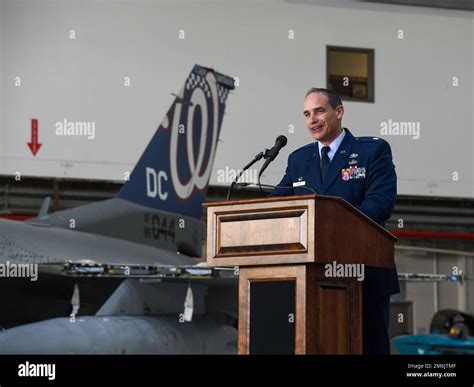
pixel 82 80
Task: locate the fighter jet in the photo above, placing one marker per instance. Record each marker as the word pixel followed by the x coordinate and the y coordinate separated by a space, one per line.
pixel 124 275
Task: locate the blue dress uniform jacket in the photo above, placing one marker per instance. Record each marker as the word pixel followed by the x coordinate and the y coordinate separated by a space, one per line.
pixel 362 173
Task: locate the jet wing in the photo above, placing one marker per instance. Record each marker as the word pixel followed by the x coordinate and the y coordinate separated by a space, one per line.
pixel 25 243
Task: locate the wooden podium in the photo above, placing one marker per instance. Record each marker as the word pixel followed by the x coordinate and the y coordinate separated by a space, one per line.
pixel 288 302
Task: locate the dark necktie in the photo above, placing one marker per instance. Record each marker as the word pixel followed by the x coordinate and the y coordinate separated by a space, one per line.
pixel 325 161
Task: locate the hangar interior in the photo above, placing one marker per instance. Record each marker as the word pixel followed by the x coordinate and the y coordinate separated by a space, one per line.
pixel 412 62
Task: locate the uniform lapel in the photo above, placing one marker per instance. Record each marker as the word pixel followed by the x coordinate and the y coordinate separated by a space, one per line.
pixel 312 169
pixel 338 161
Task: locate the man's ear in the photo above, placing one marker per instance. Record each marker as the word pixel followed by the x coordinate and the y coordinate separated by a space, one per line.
pixel 339 111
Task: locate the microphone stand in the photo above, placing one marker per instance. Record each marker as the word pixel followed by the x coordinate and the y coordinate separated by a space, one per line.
pixel 255 159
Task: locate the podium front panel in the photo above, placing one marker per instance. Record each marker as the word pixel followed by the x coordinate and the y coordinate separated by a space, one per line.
pixel 283 290
pixel 256 234
pixel 272 317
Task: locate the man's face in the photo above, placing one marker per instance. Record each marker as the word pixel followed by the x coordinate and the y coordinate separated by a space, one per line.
pixel 323 122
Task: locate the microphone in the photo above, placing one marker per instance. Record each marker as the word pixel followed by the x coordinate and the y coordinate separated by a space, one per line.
pixel 271 154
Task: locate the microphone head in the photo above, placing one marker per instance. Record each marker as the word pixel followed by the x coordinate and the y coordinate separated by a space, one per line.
pixel 281 140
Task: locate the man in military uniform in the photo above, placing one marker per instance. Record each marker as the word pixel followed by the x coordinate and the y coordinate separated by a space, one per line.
pixel 361 171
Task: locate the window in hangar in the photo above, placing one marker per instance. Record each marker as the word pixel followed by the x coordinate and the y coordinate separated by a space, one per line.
pixel 350 72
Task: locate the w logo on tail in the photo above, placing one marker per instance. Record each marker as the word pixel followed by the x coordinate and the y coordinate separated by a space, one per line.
pixel 173 172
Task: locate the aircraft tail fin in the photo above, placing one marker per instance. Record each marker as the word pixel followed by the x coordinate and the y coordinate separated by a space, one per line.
pixel 174 170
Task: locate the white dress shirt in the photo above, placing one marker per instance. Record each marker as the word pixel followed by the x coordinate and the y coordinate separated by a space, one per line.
pixel 333 145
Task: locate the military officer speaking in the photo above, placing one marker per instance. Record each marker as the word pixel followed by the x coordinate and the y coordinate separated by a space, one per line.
pixel 359 170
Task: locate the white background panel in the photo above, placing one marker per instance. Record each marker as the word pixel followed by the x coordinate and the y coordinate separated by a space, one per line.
pixel 82 80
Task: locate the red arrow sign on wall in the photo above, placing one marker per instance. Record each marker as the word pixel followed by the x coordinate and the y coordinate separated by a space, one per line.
pixel 34 144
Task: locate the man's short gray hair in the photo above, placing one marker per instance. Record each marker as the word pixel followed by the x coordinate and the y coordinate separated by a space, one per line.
pixel 333 98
